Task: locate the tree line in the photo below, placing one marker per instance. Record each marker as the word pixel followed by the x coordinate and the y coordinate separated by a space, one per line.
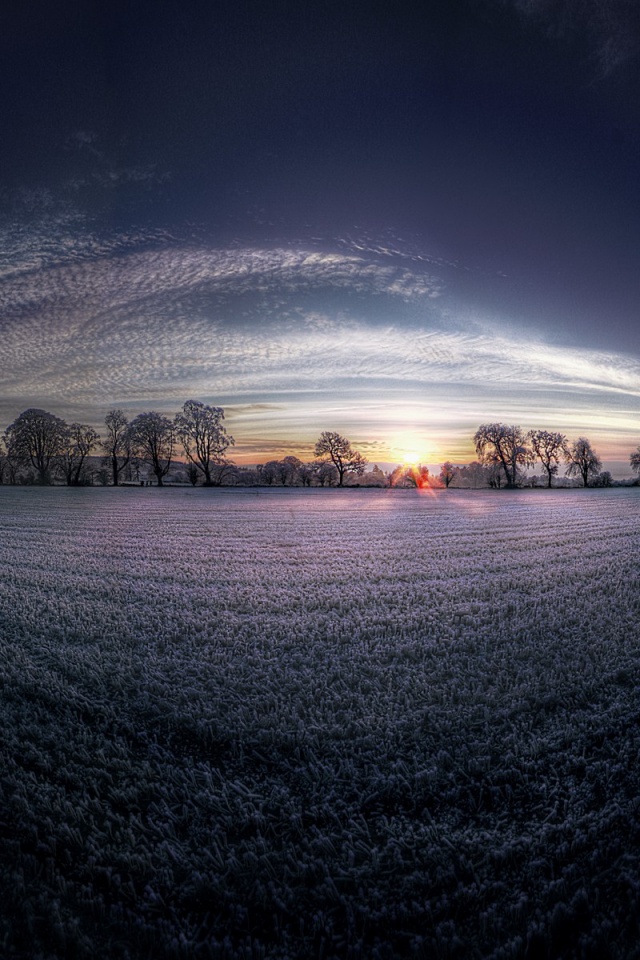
pixel 509 449
pixel 42 448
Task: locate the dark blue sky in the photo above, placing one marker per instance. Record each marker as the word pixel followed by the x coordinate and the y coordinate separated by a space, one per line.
pixel 490 148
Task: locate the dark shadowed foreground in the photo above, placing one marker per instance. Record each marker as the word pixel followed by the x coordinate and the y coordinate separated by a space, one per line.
pixel 319 723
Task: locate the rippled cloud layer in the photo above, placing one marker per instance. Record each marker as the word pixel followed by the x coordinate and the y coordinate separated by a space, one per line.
pixel 291 342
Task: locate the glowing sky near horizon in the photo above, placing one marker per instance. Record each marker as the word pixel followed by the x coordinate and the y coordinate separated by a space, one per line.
pixel 392 227
pixel 292 342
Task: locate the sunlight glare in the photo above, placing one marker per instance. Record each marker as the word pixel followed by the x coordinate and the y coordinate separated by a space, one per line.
pixel 410 450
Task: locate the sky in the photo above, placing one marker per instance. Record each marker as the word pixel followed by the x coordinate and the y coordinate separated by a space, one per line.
pixel 393 221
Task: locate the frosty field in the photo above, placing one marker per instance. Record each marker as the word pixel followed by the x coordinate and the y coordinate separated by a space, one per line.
pixel 333 724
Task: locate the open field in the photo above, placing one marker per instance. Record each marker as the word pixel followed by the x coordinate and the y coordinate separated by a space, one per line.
pixel 296 724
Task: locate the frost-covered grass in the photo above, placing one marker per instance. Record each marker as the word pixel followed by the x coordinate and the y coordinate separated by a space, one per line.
pixel 319 723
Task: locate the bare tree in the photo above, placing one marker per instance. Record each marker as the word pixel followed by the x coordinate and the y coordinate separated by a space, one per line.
pixel 325 473
pixel 293 466
pixel 152 437
pixel 506 446
pixel 285 472
pixel 603 479
pixel 82 439
pixel 117 445
pixel 549 448
pixel 634 460
pixel 224 474
pixel 474 475
pixel 37 437
pixel 307 473
pixel 494 475
pixel 193 474
pixel 582 461
pixel 11 464
pixel 448 473
pixel 203 436
pixel 333 448
pixel 247 476
pixel 273 472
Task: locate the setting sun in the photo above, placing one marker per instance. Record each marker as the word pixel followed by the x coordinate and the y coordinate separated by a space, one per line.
pixel 409 449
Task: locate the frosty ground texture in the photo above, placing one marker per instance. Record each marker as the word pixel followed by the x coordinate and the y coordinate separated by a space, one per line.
pixel 324 723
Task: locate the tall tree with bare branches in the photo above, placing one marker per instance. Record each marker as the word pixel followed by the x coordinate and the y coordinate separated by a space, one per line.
pixel 81 441
pixel 153 438
pixel 36 438
pixel 333 448
pixel 549 448
pixel 117 444
pixel 203 437
pixel 582 461
pixel 503 445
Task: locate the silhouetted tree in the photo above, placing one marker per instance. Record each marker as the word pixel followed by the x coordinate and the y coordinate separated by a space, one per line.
pixel 549 448
pixel 82 439
pixel 333 448
pixel 603 479
pixel 247 476
pixel 307 472
pixel 152 438
pixel 117 444
pixel 224 474
pixel 494 476
pixel 506 446
pixel 273 472
pixel 326 473
pixel 293 466
pixel 582 461
pixel 193 474
pixel 285 472
pixel 203 436
pixel 10 466
pixel 448 473
pixel 37 438
pixel 474 475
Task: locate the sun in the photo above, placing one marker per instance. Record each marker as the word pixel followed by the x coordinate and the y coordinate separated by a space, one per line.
pixel 412 458
pixel 409 449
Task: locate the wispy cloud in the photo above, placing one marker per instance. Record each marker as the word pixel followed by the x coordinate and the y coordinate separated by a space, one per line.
pixel 291 341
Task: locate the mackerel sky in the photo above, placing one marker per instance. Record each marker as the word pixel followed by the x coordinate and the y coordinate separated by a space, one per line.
pixel 393 220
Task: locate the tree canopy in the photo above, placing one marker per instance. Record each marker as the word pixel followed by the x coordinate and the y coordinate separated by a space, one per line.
pixel 503 445
pixel 41 447
pixel 582 461
pixel 117 444
pixel 37 437
pixel 549 448
pixel 334 448
pixel 203 437
pixel 82 439
pixel 153 441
